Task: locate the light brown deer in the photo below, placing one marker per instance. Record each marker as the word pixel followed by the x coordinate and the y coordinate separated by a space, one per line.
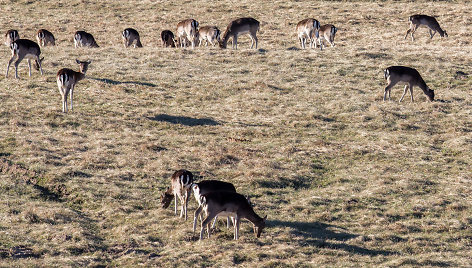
pixel 66 81
pixel 187 29
pixel 326 32
pixel 396 74
pixel 232 203
pixel 84 39
pixel 426 21
pixel 45 38
pixel 11 36
pixel 181 182
pixel 24 48
pixel 307 29
pixel 209 34
pixel 238 27
pixel 131 37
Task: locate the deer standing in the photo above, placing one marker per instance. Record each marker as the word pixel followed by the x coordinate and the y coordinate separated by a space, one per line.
pixel 181 181
pixel 396 74
pixel 66 81
pixel 426 21
pixel 238 27
pixel 24 48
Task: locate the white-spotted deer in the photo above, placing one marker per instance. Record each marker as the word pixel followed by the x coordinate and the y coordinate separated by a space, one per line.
pixel 238 27
pixel 66 81
pixel 308 29
pixel 45 38
pixel 167 38
pixel 131 37
pixel 181 182
pixel 209 34
pixel 229 202
pixel 84 39
pixel 11 36
pixel 426 21
pixel 396 74
pixel 24 48
pixel 326 32
pixel 187 29
pixel 209 186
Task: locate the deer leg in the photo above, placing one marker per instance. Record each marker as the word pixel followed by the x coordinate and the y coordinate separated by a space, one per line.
pixel 206 223
pixel 195 216
pixel 228 220
pixel 40 64
pixel 72 97
pixel 413 31
pixel 175 204
pixel 235 42
pixel 255 38
pixel 236 227
pixel 214 222
pixel 411 93
pixel 16 66
pixel 431 33
pixel 29 67
pixel 388 89
pixel 9 63
pixel 404 93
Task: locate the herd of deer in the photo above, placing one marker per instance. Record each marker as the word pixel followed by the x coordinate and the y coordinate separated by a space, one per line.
pixel 215 198
pixel 188 32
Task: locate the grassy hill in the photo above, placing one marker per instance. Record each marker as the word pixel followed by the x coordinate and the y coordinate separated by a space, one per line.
pixel 345 178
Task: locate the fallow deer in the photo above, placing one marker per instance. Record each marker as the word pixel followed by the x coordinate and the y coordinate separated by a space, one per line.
pixel 131 37
pixel 216 202
pixel 24 48
pixel 306 29
pixel 84 39
pixel 426 21
pixel 181 182
pixel 238 27
pixel 326 32
pixel 208 186
pixel 45 38
pixel 412 77
pixel 167 38
pixel 208 34
pixel 187 29
pixel 66 81
pixel 11 36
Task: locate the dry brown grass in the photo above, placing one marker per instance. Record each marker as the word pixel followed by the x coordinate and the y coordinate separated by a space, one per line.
pixel 345 179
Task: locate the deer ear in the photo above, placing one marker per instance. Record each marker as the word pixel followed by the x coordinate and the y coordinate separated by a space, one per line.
pixel 89 61
pixel 265 218
pixel 78 61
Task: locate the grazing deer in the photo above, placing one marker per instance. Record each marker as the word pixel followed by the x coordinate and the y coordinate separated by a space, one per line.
pixel 181 181
pixel 167 39
pixel 84 39
pixel 131 36
pixel 187 29
pixel 326 32
pixel 45 38
pixel 412 77
pixel 229 202
pixel 208 34
pixel 426 21
pixel 238 27
pixel 11 36
pixel 308 28
pixel 208 186
pixel 66 80
pixel 24 48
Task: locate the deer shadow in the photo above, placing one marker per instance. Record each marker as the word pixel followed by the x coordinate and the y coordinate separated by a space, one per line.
pixel 116 82
pixel 318 234
pixel 184 120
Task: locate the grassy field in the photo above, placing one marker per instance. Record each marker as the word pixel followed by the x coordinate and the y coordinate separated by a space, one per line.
pixel 345 178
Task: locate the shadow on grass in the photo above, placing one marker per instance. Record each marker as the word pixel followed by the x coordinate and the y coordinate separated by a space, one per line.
pixel 184 120
pixel 317 234
pixel 115 82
